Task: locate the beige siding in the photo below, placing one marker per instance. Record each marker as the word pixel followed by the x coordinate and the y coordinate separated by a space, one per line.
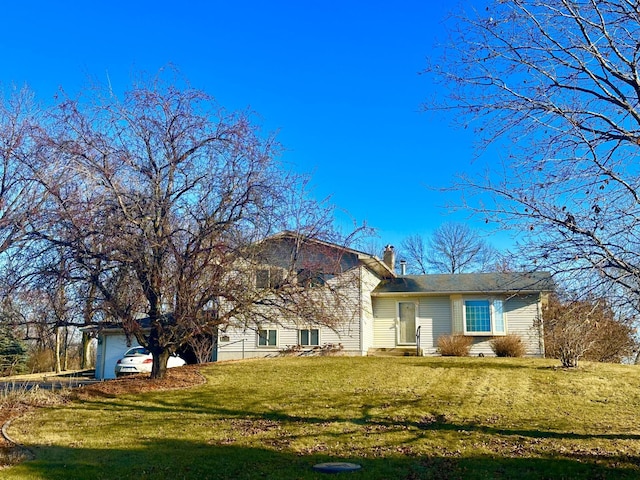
pixel 436 319
pixel 369 281
pixel 243 342
pixel 347 332
pixel 384 324
pixel 456 312
pixel 522 319
pixel 438 311
pixel 433 316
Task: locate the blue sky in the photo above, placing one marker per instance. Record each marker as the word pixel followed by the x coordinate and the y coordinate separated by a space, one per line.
pixel 338 80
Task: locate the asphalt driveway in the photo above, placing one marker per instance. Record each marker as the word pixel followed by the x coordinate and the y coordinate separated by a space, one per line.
pixel 48 381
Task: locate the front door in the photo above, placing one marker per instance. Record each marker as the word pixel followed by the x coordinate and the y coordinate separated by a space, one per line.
pixel 407 323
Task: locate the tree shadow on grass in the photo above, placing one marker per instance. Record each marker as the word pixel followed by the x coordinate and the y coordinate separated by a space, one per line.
pixel 179 459
pixel 481 363
pixel 429 422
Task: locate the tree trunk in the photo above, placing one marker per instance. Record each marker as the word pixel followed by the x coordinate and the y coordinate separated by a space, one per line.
pixel 86 344
pixel 160 360
pixel 57 351
pixel 65 365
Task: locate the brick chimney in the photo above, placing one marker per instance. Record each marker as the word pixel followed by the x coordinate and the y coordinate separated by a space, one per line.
pixel 389 257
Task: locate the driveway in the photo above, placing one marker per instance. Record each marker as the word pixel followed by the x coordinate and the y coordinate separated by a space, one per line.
pixel 48 381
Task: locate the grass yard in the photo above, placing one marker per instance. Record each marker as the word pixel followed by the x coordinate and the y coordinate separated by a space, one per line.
pixel 400 418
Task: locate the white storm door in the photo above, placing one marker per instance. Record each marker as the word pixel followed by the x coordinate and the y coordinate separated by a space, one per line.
pixel 406 323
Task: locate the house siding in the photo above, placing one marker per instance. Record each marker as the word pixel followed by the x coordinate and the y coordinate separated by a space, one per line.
pixel 523 319
pixel 242 342
pixel 438 312
pixel 368 282
pixel 433 316
pixel 384 324
pixel 436 318
pixel 521 314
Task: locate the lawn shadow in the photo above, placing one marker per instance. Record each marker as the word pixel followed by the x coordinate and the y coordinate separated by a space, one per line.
pixel 480 363
pixel 193 402
pixel 172 459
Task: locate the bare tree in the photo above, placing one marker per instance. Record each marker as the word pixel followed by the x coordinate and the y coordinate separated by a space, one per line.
pixel 558 82
pixel 413 250
pixel 452 248
pixel 18 191
pixel 160 201
pixel 586 329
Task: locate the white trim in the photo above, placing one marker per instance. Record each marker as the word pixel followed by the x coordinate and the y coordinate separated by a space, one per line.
pixel 267 346
pixel 309 329
pixel 492 316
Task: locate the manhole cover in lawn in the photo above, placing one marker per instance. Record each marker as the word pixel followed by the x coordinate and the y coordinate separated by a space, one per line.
pixel 336 467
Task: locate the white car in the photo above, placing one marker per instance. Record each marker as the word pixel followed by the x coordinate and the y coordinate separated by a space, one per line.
pixel 139 360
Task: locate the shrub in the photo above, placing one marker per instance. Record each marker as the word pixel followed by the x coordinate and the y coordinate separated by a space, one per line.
pixel 508 346
pixel 13 397
pixel 13 352
pixel 589 329
pixel 454 345
pixel 331 349
pixel 327 349
pixel 40 361
pixel 290 350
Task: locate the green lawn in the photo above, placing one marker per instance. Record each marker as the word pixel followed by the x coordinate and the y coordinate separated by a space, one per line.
pixel 400 418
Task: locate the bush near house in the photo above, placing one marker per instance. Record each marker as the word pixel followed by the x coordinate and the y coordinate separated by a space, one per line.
pixel 508 346
pixel 454 345
pixel 587 330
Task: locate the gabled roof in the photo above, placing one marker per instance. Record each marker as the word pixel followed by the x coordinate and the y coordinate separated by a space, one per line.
pixel 514 282
pixel 370 261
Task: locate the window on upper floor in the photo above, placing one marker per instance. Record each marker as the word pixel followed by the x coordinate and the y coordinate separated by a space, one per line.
pixel 269 278
pixel 310 278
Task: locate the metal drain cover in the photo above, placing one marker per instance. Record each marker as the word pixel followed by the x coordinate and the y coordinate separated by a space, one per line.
pixel 336 467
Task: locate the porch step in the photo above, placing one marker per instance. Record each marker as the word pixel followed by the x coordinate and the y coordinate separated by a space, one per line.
pixel 392 352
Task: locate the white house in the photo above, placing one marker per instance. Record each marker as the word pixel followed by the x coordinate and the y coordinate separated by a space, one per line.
pixel 383 310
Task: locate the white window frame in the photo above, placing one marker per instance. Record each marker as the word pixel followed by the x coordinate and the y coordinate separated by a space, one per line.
pixel 496 308
pixel 308 330
pixel 267 345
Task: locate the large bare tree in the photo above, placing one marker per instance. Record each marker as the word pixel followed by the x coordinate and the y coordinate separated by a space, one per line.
pixel 451 248
pixel 556 83
pixel 160 201
pixel 18 191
